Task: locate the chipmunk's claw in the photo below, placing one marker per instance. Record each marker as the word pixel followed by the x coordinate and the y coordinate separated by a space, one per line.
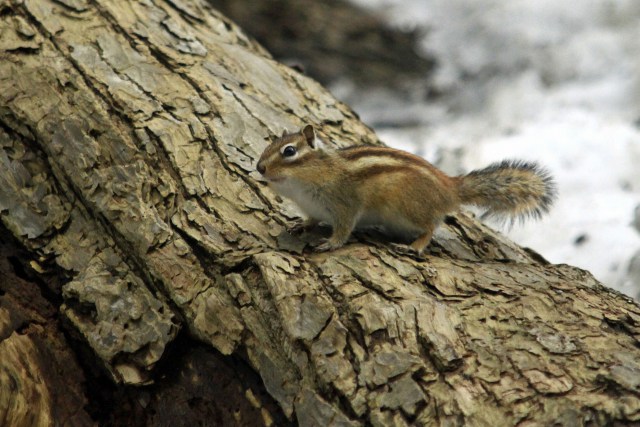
pixel 402 249
pixel 405 249
pixel 297 228
pixel 327 245
pixel 300 227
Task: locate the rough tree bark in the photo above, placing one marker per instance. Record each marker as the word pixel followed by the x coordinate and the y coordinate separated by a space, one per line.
pixel 128 135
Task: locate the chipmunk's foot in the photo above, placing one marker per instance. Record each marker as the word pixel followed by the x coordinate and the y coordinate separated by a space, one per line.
pixel 296 229
pixel 302 226
pixel 403 249
pixel 328 245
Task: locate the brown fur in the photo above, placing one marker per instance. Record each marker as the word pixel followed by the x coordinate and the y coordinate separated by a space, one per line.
pixel 384 186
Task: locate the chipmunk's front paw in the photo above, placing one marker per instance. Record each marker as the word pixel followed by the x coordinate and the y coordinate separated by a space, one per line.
pixel 328 245
pixel 297 228
pixel 301 227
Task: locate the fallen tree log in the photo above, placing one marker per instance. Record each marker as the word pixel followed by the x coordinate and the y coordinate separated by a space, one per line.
pixel 129 134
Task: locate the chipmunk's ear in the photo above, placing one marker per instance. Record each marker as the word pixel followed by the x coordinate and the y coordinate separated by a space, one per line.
pixel 284 132
pixel 309 135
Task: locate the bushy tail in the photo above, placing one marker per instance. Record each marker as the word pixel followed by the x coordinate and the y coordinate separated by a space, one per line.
pixel 510 190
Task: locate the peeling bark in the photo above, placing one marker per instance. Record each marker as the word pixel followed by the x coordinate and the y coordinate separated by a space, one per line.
pixel 128 137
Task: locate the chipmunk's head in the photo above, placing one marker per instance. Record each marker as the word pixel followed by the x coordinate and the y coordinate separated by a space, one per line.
pixel 285 155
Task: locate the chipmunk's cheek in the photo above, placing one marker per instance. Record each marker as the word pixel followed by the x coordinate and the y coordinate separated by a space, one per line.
pixel 274 177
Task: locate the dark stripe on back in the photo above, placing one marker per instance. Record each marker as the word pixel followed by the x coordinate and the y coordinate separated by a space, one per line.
pixel 371 171
pixel 359 151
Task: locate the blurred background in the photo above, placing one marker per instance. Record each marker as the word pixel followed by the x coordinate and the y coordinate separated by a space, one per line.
pixel 466 83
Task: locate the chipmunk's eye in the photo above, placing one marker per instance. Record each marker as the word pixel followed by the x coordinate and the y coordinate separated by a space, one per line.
pixel 289 151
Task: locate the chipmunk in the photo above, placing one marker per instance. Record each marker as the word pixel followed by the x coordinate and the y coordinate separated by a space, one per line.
pixel 369 185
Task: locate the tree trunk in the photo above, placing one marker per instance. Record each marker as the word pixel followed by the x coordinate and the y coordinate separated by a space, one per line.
pixel 148 254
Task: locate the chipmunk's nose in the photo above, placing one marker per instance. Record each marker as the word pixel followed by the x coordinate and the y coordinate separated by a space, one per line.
pixel 261 168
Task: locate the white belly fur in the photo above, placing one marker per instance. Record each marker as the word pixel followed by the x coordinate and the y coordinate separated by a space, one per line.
pixel 306 198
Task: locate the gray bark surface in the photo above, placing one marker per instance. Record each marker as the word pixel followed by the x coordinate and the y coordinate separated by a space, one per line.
pixel 129 133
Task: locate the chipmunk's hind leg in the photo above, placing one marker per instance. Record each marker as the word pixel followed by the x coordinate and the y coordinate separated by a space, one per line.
pixel 420 244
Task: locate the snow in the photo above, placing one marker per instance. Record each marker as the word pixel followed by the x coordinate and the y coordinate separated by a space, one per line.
pixel 556 82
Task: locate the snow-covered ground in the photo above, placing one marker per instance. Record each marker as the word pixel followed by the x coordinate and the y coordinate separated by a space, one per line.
pixel 557 82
